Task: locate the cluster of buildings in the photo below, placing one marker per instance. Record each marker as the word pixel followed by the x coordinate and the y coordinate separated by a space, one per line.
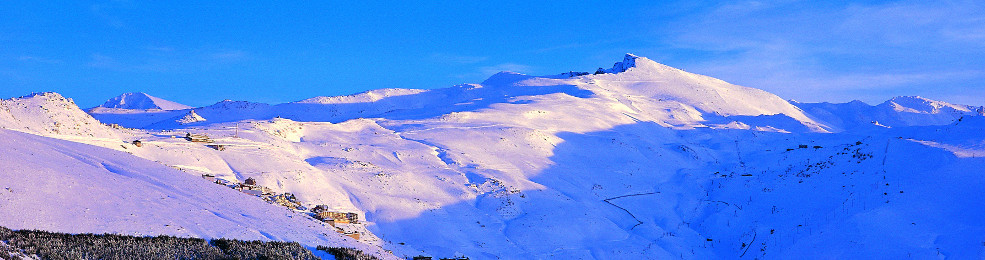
pixel 198 138
pixel 202 138
pixel 195 138
pixel 250 186
pixel 325 214
pixel 321 212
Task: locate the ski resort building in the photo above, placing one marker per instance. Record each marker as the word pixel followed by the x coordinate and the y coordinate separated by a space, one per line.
pixel 326 214
pixel 286 199
pixel 251 188
pixel 337 217
pixel 198 138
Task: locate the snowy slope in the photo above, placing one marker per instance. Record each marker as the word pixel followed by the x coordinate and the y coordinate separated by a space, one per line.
pixel 643 76
pixel 634 191
pixel 69 187
pixel 643 161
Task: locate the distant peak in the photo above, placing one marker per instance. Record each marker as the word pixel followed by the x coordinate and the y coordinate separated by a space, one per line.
pixel 362 97
pixel 228 104
pixel 505 78
pixel 142 101
pixel 628 61
pixel 190 117
pixel 918 104
pixel 910 98
pixel 634 61
pixel 506 73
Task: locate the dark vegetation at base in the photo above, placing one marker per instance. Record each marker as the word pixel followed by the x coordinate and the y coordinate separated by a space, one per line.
pixel 345 253
pixel 48 245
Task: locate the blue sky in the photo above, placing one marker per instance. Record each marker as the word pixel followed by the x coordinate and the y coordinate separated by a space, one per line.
pixel 199 53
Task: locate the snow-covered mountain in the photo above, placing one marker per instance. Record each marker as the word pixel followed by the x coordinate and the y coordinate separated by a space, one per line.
pixel 137 110
pixel 639 161
pixel 643 88
pixel 141 101
pixel 896 112
pixel 50 114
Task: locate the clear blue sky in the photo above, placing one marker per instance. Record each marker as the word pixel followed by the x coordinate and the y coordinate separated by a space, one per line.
pixel 199 53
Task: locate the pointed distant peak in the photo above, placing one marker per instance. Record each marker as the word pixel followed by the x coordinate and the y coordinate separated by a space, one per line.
pixel 633 61
pixel 142 101
pixel 628 61
pixel 190 117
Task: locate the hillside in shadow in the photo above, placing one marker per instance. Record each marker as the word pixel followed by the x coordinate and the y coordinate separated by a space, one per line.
pixel 643 191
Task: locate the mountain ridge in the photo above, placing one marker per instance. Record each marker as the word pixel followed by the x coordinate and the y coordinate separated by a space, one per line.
pixel 650 162
pixel 634 77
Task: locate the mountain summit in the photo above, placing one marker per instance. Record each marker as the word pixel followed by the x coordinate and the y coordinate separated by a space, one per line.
pixel 629 61
pixel 142 101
